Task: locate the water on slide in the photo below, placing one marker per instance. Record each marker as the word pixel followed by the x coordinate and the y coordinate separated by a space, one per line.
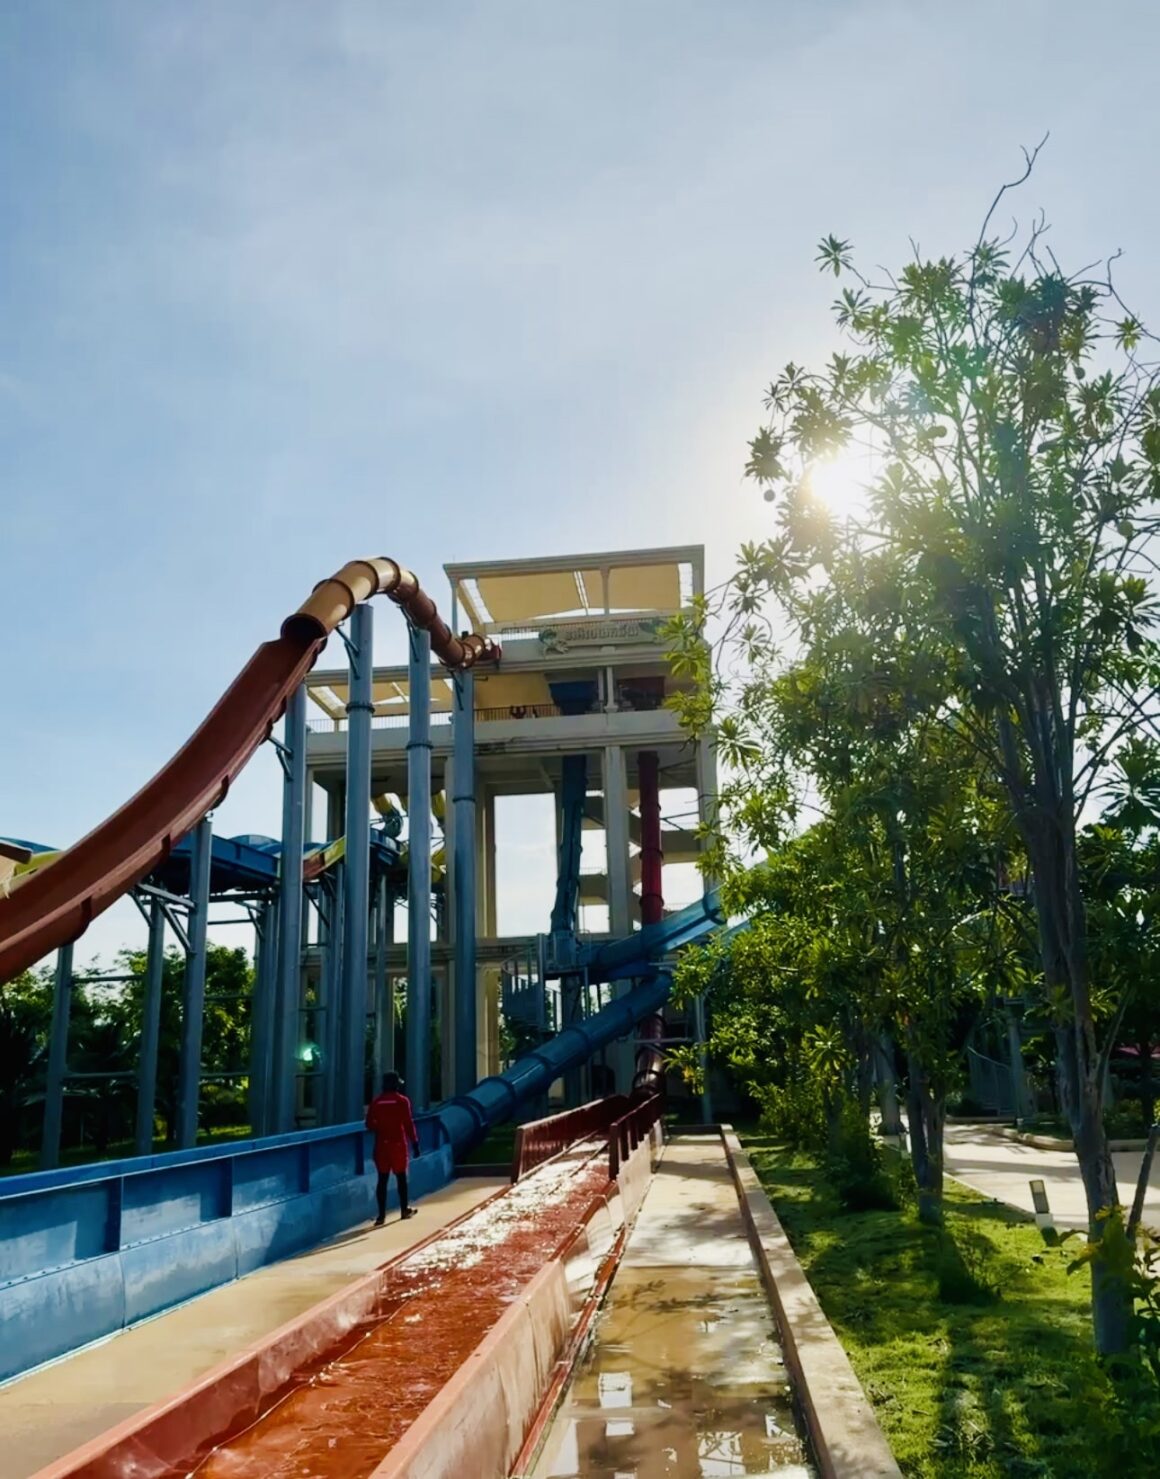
pixel 344 1413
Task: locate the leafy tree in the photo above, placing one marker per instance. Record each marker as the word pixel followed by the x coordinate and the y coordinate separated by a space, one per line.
pixel 25 1011
pixel 1006 549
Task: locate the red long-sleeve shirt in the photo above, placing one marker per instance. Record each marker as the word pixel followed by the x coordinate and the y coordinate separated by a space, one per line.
pixel 389 1119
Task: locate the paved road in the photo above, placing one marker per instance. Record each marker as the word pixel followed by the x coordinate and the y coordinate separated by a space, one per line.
pixel 1002 1168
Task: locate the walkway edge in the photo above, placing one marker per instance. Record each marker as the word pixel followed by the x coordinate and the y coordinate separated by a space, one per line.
pixel 846 1438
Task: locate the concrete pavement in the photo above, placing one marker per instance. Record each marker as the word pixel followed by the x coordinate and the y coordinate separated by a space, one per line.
pixel 1002 1168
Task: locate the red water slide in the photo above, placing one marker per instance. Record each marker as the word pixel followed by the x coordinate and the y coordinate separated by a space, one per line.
pixel 56 904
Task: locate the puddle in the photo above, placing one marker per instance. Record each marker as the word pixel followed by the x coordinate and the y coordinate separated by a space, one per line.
pixel 685 1380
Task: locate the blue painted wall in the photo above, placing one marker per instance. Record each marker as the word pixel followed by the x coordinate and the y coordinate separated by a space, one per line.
pixel 86 1251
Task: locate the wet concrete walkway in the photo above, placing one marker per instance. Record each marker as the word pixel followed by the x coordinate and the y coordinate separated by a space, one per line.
pixel 684 1378
pixel 52 1411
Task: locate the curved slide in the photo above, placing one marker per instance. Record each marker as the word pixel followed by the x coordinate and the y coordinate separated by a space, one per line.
pixel 467 1117
pixel 54 905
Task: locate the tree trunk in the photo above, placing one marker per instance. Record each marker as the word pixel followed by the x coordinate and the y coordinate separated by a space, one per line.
pixel 888 1088
pixel 1063 943
pixel 1147 1088
pixel 927 1118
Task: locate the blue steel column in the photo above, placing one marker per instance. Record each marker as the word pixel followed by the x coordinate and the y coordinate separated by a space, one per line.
pixel 419 872
pixel 349 1099
pixel 463 839
pixel 193 994
pixel 332 1013
pixel 262 1017
pixel 150 1030
pixel 289 957
pixel 57 1059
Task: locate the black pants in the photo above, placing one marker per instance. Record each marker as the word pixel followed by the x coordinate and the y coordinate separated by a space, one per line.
pixel 381 1191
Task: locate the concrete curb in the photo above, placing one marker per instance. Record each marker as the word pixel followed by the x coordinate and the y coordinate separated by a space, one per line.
pixel 844 1433
pixel 1052 1142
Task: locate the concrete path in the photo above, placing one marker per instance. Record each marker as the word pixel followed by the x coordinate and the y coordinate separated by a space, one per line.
pixel 685 1375
pixel 1001 1168
pixel 52 1411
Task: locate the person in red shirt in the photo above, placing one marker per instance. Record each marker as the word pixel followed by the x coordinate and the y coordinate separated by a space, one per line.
pixel 390 1120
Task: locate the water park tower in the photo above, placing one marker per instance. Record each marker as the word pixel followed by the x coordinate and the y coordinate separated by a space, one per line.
pixel 575 708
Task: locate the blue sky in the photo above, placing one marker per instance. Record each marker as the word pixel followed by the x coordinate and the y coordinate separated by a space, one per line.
pixel 285 283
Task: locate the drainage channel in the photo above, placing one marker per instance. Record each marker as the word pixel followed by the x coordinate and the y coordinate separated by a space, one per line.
pixel 684 1376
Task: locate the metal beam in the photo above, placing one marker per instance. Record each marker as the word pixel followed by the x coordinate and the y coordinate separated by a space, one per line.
pixel 150 1029
pixel 262 1015
pixel 57 1059
pixel 351 1079
pixel 288 990
pixel 419 872
pixel 463 865
pixel 193 992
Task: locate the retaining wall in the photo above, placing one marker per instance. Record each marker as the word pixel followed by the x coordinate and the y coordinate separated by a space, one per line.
pixel 844 1433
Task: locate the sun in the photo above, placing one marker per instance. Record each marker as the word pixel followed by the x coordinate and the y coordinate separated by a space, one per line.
pixel 841 482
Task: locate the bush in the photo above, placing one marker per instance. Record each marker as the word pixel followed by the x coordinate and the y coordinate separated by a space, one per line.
pixel 794 1112
pixel 853 1164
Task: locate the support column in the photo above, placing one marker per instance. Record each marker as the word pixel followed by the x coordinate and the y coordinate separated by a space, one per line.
pixel 707 789
pixel 289 957
pixel 703 1059
pixel 262 1017
pixel 620 901
pixel 489 922
pixel 150 1030
pixel 463 867
pixel 351 1097
pixel 57 1059
pixel 193 992
pixel 419 872
pixel 1022 1105
pixel 331 980
pixel 650 1072
pixel 384 988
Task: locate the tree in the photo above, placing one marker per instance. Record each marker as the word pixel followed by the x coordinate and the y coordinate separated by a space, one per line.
pixel 25 1012
pixel 1007 542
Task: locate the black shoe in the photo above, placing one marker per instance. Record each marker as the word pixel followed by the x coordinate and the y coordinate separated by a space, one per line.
pixel 379 1221
pixel 408 1212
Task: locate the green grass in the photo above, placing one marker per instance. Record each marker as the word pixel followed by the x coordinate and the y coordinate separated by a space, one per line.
pixel 24 1161
pixel 995 1375
pixel 495 1150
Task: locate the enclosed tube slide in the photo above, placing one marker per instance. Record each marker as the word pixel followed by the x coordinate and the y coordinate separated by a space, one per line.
pixel 469 1116
pixel 54 905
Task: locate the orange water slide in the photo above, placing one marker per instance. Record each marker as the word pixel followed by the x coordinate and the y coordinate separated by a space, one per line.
pixel 55 905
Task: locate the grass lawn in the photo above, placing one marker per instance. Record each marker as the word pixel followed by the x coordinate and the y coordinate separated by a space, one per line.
pixel 24 1161
pixel 496 1149
pixel 1007 1385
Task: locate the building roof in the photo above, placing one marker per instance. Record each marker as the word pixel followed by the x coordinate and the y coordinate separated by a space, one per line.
pixel 499 595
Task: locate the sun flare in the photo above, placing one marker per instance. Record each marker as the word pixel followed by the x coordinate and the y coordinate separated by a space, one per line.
pixel 841 482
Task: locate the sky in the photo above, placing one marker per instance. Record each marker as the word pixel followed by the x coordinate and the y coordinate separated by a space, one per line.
pixel 286 283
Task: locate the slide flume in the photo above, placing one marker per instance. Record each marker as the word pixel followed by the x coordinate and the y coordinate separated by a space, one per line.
pixel 54 905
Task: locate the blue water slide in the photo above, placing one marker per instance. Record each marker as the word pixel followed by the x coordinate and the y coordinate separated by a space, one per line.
pixel 468 1117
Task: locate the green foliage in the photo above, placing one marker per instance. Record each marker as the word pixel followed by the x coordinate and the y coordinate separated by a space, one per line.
pixel 981 1388
pixel 958 673
pixel 853 1164
pixel 104 1034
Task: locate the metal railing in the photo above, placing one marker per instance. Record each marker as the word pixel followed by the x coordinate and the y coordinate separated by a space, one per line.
pixel 540 1140
pixel 992 1084
pixel 626 1133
